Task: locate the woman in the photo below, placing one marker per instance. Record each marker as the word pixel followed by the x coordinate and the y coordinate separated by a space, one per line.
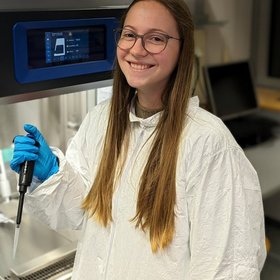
pixel 159 187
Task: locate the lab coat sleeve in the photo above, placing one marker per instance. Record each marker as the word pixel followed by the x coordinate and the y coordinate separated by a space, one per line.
pixel 227 239
pixel 57 201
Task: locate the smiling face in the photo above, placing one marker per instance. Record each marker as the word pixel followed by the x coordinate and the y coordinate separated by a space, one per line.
pixel 149 73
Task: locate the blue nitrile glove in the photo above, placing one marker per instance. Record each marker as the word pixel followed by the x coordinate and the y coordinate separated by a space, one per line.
pixel 46 163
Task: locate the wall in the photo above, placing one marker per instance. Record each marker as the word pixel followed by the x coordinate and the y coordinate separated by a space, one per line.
pixel 229 41
pixel 222 35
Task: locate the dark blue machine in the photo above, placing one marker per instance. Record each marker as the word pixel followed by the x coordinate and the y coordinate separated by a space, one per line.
pixel 46 50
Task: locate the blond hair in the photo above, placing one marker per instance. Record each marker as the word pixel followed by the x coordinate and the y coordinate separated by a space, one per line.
pixel 157 190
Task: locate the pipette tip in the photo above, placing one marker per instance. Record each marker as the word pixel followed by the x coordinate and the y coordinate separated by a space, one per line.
pixel 16 240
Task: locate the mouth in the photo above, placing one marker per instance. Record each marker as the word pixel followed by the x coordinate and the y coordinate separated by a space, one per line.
pixel 140 66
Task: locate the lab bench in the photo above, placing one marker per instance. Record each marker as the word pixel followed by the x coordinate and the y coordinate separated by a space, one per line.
pixel 265 157
pixel 41 254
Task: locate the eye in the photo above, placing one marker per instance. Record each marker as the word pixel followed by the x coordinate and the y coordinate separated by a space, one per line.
pixel 128 35
pixel 155 38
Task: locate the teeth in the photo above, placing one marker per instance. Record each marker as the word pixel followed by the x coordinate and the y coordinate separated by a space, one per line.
pixel 139 66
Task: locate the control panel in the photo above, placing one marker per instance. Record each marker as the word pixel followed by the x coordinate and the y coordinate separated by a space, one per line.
pixel 55 51
pixel 45 50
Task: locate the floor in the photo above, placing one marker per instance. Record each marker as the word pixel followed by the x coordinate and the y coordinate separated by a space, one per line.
pixel 271 270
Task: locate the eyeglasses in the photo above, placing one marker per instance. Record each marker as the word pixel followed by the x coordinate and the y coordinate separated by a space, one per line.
pixel 152 42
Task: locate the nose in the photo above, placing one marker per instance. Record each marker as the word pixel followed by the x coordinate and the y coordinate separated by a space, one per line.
pixel 138 48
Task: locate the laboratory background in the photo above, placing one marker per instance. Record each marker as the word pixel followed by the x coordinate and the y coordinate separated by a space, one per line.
pixel 236 76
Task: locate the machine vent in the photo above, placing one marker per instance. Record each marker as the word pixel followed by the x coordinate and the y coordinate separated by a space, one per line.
pixel 56 271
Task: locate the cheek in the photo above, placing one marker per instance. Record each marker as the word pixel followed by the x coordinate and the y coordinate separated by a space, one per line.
pixel 120 57
pixel 169 62
pixel 175 56
pixel 118 53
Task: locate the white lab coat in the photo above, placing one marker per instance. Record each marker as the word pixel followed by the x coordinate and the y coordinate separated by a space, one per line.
pixel 219 230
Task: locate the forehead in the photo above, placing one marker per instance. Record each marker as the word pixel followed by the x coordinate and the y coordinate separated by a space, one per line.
pixel 147 15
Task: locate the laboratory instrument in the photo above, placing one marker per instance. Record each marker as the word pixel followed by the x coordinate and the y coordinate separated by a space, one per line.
pixel 25 179
pixel 55 51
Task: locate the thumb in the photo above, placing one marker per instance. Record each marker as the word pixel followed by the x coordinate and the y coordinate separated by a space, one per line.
pixel 34 131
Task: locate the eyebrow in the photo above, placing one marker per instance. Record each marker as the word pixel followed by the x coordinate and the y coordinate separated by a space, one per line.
pixel 150 30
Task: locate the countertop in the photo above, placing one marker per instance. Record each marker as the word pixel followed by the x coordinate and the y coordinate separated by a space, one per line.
pixel 36 242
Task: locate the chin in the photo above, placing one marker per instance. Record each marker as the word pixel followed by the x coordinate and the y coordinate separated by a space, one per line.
pixel 136 84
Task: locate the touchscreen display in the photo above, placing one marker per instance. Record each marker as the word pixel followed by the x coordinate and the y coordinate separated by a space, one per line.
pixel 65 46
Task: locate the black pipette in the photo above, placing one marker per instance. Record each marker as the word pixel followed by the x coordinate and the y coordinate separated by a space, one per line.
pixel 25 179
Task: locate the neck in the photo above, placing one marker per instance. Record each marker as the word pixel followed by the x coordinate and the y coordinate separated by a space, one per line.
pixel 149 101
pixel 143 112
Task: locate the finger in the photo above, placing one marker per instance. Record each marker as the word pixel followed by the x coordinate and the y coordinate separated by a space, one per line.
pixel 20 139
pixel 20 157
pixel 26 147
pixel 14 166
pixel 31 129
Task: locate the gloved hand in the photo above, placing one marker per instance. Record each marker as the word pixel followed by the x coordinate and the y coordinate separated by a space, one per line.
pixel 46 163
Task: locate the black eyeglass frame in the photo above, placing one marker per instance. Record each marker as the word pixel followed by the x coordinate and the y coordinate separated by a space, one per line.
pixel 119 31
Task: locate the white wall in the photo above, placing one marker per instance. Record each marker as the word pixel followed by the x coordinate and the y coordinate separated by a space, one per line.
pixel 230 42
pixel 222 34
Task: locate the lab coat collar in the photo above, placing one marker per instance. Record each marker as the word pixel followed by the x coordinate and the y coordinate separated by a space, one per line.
pixel 153 120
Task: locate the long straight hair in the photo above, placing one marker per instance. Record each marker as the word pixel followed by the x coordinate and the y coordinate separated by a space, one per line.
pixel 157 191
